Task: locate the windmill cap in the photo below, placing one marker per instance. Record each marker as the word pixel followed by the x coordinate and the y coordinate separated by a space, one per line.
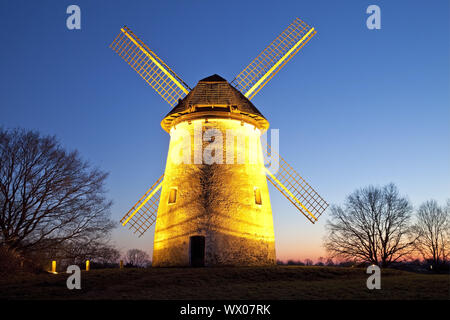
pixel 214 78
pixel 213 97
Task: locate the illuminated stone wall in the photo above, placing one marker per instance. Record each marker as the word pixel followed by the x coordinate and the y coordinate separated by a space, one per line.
pixel 216 201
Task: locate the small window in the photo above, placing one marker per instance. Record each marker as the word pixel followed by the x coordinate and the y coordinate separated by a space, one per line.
pixel 257 196
pixel 173 195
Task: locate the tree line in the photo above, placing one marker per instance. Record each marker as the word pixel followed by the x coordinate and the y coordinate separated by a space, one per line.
pixel 379 226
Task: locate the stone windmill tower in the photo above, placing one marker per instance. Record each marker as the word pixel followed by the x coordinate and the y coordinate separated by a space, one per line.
pixel 211 206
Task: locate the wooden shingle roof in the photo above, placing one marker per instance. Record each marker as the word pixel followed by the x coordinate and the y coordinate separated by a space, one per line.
pixel 214 97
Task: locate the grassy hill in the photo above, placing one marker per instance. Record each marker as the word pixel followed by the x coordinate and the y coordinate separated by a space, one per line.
pixel 280 282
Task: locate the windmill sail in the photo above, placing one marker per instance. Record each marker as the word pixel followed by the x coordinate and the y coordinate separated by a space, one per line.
pixel 295 188
pixel 273 58
pixel 143 214
pixel 149 66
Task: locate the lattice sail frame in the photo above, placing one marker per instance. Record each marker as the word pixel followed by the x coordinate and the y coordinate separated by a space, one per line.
pixel 294 187
pixel 143 214
pixel 149 66
pixel 256 75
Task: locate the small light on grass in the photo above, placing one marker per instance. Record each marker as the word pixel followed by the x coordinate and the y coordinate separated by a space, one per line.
pixel 88 265
pixel 54 267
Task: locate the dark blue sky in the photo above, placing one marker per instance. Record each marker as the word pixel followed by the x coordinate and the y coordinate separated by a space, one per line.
pixel 354 107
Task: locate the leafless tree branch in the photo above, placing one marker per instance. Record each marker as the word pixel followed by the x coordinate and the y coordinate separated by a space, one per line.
pixel 48 196
pixel 373 226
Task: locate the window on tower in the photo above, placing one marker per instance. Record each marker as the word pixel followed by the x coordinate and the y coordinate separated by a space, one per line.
pixel 173 195
pixel 257 196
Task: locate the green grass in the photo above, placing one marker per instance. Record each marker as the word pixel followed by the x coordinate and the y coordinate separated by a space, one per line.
pixel 280 282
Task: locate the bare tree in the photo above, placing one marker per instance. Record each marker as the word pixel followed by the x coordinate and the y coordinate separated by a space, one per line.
pixel 137 258
pixel 107 255
pixel 373 226
pixel 309 262
pixel 96 252
pixel 432 230
pixel 48 197
pixel 320 261
pixel 329 262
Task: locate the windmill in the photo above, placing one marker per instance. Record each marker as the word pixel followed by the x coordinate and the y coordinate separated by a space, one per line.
pixel 214 213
